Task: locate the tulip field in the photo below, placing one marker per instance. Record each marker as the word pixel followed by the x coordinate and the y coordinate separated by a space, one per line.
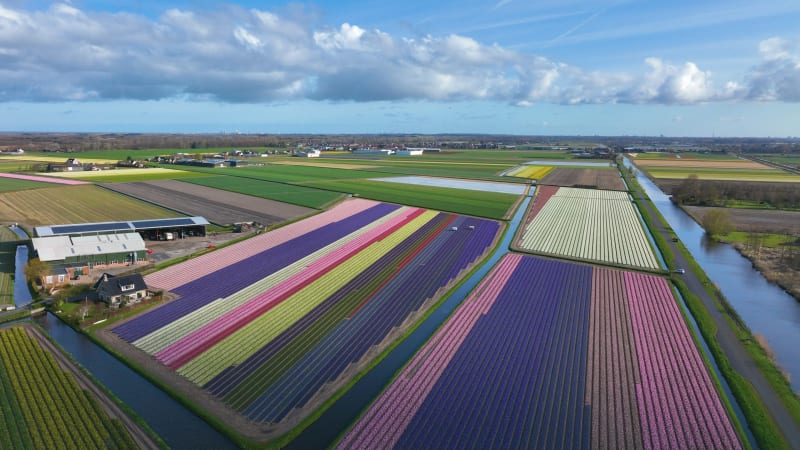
pixel 554 354
pixel 265 325
pixel 587 224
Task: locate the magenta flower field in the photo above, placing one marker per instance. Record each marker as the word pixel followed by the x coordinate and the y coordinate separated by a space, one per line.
pixel 554 354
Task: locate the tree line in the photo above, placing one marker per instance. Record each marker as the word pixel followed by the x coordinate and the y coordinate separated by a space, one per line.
pixel 696 192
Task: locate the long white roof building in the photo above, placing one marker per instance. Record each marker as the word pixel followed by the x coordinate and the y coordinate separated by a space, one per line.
pixel 59 248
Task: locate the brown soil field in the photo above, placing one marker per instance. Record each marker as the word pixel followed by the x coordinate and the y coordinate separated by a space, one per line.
pixel 585 178
pixel 757 220
pixel 74 204
pixel 218 206
pixel 702 163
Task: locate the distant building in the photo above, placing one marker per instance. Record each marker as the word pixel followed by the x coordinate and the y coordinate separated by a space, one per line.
pixel 410 152
pixel 121 290
pixel 311 153
pixel 71 165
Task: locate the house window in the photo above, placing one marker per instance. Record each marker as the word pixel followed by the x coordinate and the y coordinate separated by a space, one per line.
pixel 127 287
pixel 48 279
pixel 61 278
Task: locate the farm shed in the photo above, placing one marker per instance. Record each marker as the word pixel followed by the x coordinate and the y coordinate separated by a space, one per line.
pixel 71 257
pixel 153 229
pixel 121 290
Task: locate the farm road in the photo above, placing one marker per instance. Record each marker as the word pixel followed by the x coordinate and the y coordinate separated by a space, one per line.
pixel 734 349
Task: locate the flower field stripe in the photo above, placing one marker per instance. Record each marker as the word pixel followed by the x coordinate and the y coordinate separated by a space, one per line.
pixel 612 372
pixel 210 334
pixel 237 274
pixel 543 194
pixel 261 368
pixel 237 347
pixel 200 340
pixel 174 276
pixel 349 297
pixel 173 331
pixel 18 176
pixel 588 224
pixel 506 365
pixel 678 403
pixel 406 261
pixel 392 412
pixel 353 338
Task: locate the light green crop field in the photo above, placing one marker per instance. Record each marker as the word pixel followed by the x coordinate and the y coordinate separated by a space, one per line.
pixel 294 194
pixel 593 225
pixel 11 184
pixel 75 204
pixel 475 203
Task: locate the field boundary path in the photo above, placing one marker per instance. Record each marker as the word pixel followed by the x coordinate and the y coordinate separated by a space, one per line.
pixel 734 349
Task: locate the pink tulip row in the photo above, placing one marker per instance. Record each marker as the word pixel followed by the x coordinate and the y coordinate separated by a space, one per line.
pixel 678 404
pixel 18 176
pixel 186 348
pixel 386 420
pixel 179 274
pixel 611 368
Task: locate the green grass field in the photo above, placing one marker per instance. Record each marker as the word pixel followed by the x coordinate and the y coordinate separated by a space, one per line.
pixel 75 204
pixel 296 195
pixel 475 203
pixel 132 175
pixel 686 155
pixel 11 184
pixel 770 240
pixel 8 253
pixel 10 165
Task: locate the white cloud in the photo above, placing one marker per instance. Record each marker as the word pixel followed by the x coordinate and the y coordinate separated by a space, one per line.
pixel 238 55
pixel 778 76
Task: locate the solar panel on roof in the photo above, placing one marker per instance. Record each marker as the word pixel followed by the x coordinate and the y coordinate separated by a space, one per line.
pixel 90 227
pixel 158 223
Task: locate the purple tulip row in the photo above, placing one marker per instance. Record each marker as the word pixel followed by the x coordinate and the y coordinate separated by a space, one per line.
pixel 234 273
pixel 382 425
pixel 233 376
pixel 678 404
pixel 547 354
pixel 181 351
pixel 352 339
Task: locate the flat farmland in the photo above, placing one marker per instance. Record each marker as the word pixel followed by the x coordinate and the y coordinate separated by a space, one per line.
pixel 587 224
pixel 455 183
pixel 74 204
pixel 531 172
pixel 11 184
pixel 266 330
pixel 40 179
pixel 714 169
pixel 216 205
pixel 756 220
pixel 483 204
pixel 126 175
pixel 282 192
pixel 553 354
pixel 606 179
pixel 733 163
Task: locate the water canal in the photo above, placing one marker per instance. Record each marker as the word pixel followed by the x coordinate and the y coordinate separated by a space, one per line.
pixel 766 308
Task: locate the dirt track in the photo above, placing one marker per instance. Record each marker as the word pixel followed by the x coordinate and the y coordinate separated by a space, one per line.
pixel 216 205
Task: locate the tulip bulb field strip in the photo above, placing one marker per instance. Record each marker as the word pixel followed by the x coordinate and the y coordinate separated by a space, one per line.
pixel 269 324
pixel 593 225
pixel 554 354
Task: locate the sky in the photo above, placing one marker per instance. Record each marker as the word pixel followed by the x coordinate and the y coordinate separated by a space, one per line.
pixel 571 67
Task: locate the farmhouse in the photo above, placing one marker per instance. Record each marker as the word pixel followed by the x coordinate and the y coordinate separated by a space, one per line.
pixel 311 153
pixel 71 165
pixel 410 152
pixel 69 257
pixel 121 290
